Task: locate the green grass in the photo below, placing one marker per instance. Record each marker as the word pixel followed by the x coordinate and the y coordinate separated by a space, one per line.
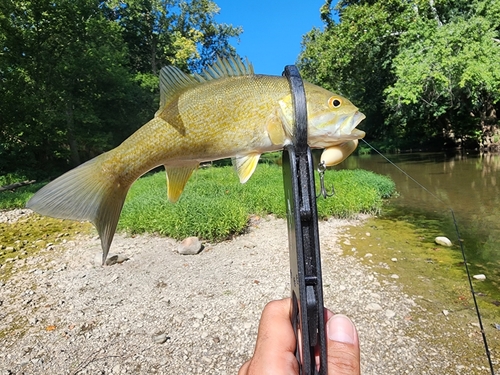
pixel 17 198
pixel 214 205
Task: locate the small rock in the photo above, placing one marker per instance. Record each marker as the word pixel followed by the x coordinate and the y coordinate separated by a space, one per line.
pixel 247 244
pixel 373 307
pixel 446 312
pixel 480 276
pixel 394 259
pixel 368 234
pixel 115 259
pixel 190 246
pixel 199 315
pixel 497 326
pixel 368 255
pixel 390 314
pixel 394 276
pixel 443 241
pixel 161 338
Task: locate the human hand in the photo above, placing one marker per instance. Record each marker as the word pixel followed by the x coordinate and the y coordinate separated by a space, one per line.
pixel 275 347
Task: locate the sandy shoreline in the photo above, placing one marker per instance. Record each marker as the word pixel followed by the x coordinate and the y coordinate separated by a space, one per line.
pixel 165 313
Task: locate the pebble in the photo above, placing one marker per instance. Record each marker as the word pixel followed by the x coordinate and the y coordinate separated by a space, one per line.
pixel 199 316
pixel 480 276
pixel 115 259
pixel 161 338
pixel 115 319
pixel 190 246
pixel 373 307
pixel 394 259
pixel 443 241
pixel 12 216
pixel 390 314
pixel 394 276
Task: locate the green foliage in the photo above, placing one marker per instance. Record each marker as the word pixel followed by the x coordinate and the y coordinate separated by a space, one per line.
pixel 353 57
pixel 215 205
pixel 78 77
pixel 421 71
pixel 17 198
pixel 445 74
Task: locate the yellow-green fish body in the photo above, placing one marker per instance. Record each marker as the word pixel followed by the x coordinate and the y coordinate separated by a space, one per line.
pixel 227 112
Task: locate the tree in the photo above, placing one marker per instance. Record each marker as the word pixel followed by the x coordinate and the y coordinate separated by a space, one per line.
pixel 70 60
pixel 354 56
pixel 448 75
pixel 168 32
pixel 420 70
pixel 77 77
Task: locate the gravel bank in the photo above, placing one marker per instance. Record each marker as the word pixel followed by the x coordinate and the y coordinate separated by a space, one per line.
pixel 163 313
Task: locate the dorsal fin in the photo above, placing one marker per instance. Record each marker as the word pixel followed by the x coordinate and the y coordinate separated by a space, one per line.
pixel 225 67
pixel 172 82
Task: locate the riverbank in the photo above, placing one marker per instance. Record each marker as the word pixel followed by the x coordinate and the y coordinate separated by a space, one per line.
pixel 161 313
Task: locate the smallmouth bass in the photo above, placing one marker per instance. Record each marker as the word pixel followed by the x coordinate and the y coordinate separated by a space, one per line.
pixel 228 111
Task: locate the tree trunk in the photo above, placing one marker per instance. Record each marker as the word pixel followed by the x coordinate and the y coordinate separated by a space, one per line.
pixel 73 144
pixel 489 127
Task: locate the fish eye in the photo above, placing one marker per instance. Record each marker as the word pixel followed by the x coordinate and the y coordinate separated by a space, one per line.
pixel 334 102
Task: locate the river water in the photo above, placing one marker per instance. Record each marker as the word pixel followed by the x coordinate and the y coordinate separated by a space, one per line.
pixel 468 184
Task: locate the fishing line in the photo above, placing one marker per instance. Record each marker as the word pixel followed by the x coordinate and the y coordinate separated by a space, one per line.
pixel 455 223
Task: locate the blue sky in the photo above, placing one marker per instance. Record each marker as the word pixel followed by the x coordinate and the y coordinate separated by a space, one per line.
pixel 272 29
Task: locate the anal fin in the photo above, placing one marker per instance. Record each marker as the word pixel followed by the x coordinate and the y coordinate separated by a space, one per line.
pixel 177 178
pixel 245 166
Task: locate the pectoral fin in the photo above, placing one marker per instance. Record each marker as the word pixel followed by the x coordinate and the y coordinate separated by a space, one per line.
pixel 245 166
pixel 275 131
pixel 176 180
pixel 286 114
pixel 336 154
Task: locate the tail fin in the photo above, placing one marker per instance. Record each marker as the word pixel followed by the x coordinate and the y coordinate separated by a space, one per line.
pixel 84 193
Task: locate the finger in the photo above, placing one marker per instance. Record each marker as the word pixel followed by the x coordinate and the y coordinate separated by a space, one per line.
pixel 275 347
pixel 343 346
pixel 244 368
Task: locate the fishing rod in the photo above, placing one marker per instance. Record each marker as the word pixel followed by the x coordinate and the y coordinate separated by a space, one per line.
pixel 460 242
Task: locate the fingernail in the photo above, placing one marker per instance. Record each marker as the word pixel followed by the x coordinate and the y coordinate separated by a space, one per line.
pixel 340 328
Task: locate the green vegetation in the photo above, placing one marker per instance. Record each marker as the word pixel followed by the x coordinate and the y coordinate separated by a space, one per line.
pixel 215 205
pixel 425 73
pixel 32 234
pixel 78 77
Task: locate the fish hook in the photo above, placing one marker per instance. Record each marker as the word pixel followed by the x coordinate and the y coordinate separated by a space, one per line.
pixel 323 192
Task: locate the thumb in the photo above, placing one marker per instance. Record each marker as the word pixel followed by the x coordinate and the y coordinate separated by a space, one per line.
pixel 343 346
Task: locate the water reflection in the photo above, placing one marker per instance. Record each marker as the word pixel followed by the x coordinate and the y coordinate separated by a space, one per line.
pixel 469 184
pixel 466 183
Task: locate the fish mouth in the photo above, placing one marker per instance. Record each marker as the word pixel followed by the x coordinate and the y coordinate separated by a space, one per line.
pixel 357 118
pixel 348 126
pixel 344 130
